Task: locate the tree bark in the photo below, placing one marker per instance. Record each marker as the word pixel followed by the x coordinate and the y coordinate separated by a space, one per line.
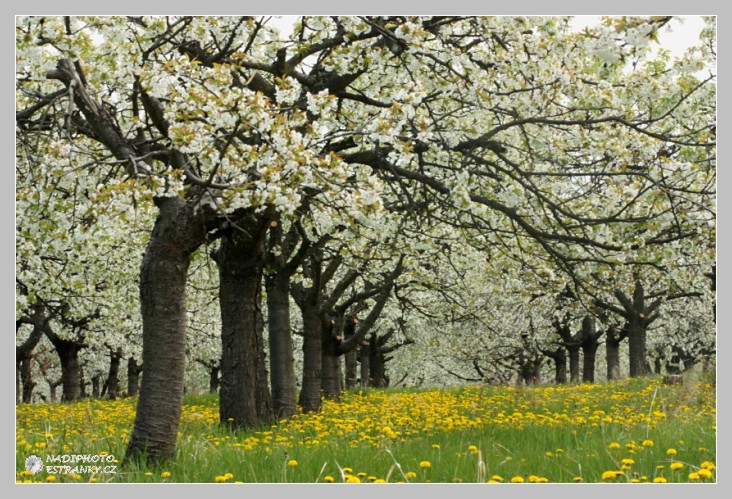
pixel 613 339
pixel 312 357
pixel 113 378
pixel 96 385
pixel 281 357
pixel 351 361
pixel 213 379
pixel 330 363
pixel 559 356
pixel 364 355
pixel 133 377
pixel 241 261
pixel 589 345
pixel 24 354
pixel 68 353
pixel 176 234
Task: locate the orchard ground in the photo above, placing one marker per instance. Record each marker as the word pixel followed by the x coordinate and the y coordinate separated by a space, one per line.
pixel 636 430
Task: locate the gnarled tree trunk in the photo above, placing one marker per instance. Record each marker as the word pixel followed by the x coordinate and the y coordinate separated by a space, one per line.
pixel 176 234
pixel 281 356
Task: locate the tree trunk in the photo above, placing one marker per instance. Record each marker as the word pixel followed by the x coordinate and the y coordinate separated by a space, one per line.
pixel 312 358
pixel 177 233
pixel 213 379
pixel 613 338
pixel 68 352
pixel 133 377
pixel 96 385
pixel 559 356
pixel 281 358
pixel 574 363
pixel 113 377
pixel 331 365
pixel 637 349
pixel 351 360
pixel 589 345
pixel 364 356
pixel 26 378
pixel 241 260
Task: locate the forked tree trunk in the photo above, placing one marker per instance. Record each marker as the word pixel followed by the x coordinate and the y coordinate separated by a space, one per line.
pixel 68 353
pixel 176 234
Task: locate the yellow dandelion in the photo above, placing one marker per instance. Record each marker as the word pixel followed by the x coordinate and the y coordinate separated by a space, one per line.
pixel 229 476
pixel 611 474
pixel 497 478
pixel 328 479
pixel 379 480
pixel 353 479
pixel 410 474
pixel 708 465
pixel 436 446
pixel 473 449
pixel 549 454
pixel 659 479
pixel 694 476
pixel 347 471
pixel 425 464
pixel 671 452
pixel 93 480
pixel 647 443
pixel 220 479
pixel 51 478
pixel 705 473
pixel 361 474
pixel 517 479
pixel 165 474
pixel 614 445
pixel 148 473
pixel 533 479
pixel 577 479
pixel 676 465
pixel 627 461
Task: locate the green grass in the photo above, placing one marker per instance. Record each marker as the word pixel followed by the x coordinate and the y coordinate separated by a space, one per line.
pixel 468 434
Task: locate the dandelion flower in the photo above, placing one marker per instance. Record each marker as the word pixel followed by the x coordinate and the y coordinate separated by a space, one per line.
pixel 328 479
pixel 347 471
pixel 708 465
pixel 292 463
pixel 51 478
pixel 694 476
pixel 676 465
pixel 705 473
pixel 425 464
pixel 517 479
pixel 410 474
pixel 436 446
pixel 497 478
pixel 473 448
pixel 647 443
pixel 577 479
pixel 671 452
pixel 659 479
pixel 628 461
pixel 165 474
pixel 353 479
pixel 611 474
pixel 614 445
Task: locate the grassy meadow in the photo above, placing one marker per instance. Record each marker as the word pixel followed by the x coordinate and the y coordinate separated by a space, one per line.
pixel 637 430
